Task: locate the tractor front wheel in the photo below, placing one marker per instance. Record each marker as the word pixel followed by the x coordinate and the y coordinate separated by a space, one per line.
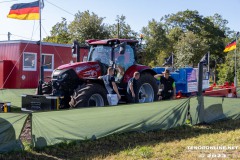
pixel 89 95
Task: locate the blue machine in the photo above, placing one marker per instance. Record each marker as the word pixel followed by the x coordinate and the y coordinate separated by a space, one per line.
pixel 185 79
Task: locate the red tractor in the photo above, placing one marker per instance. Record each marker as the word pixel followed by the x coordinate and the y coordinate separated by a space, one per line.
pixel 78 83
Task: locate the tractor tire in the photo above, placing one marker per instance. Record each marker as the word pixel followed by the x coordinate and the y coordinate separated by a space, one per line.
pixel 146 88
pixel 89 95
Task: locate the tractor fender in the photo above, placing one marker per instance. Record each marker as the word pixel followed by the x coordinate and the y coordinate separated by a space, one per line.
pixel 150 71
pixel 140 68
pixel 94 80
pixel 146 85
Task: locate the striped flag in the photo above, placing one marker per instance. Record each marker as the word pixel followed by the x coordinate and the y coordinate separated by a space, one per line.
pixel 230 46
pixel 25 11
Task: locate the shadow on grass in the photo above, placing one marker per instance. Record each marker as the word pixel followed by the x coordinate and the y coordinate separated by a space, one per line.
pixel 113 144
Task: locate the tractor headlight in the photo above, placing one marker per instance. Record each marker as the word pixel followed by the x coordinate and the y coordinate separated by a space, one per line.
pixel 63 76
pixel 55 74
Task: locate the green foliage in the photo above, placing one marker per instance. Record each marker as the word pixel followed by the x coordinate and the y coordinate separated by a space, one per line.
pixel 226 70
pixel 59 33
pixel 174 35
pixel 88 25
pixel 189 50
pixel 156 41
pixel 220 23
pixel 187 34
pixel 125 31
pixel 209 29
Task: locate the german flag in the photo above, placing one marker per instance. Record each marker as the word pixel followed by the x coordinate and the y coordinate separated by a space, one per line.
pixel 25 11
pixel 230 46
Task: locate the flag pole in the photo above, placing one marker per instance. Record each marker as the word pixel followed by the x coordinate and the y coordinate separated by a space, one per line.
pixel 40 24
pixel 208 61
pixel 41 75
pixel 235 63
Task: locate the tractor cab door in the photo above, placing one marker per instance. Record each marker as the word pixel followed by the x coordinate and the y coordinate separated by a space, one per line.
pixel 123 60
pixel 126 59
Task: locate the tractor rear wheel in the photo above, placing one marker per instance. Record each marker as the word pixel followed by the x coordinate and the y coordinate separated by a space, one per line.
pixel 146 88
pixel 89 95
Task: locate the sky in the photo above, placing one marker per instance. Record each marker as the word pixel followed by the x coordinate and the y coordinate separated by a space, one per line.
pixel 138 13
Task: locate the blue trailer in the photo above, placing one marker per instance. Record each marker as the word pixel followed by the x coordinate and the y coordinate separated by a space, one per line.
pixel 186 79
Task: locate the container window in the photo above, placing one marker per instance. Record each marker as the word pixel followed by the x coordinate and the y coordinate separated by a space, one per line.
pixel 29 61
pixel 48 62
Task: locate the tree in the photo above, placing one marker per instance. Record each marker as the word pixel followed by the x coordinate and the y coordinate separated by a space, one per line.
pixel 88 26
pixel 156 47
pixel 220 23
pixel 174 37
pixel 59 33
pixel 208 29
pixel 124 30
pixel 226 70
pixel 189 50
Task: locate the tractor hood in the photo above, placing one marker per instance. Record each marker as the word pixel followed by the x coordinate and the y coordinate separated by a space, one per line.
pixel 83 69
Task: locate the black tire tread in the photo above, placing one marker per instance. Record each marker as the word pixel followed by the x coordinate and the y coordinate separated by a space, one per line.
pixel 82 94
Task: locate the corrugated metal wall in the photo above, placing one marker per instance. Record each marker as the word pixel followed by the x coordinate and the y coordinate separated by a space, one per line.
pixel 9 52
pixel 6 79
pixel 20 78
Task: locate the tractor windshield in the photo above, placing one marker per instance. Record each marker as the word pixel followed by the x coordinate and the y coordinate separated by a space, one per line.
pixel 100 53
pixel 125 60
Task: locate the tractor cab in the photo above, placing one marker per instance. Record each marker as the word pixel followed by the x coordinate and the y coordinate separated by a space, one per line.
pixel 119 54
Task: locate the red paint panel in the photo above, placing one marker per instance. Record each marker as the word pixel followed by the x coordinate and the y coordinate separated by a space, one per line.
pixel 25 11
pixel 9 54
pixel 220 92
pixel 29 79
pixel 83 53
pixel 6 79
pixel 1 74
pixel 129 73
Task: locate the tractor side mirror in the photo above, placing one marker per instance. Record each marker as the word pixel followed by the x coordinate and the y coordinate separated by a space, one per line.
pixel 122 47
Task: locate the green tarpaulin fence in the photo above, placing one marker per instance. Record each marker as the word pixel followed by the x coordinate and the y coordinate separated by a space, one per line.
pixel 49 128
pixel 215 109
pixel 221 108
pixel 11 125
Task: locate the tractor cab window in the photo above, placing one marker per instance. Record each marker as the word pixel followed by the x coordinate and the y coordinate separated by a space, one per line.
pixel 124 60
pixel 100 53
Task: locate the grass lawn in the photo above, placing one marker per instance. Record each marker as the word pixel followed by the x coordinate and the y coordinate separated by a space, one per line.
pixel 14 96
